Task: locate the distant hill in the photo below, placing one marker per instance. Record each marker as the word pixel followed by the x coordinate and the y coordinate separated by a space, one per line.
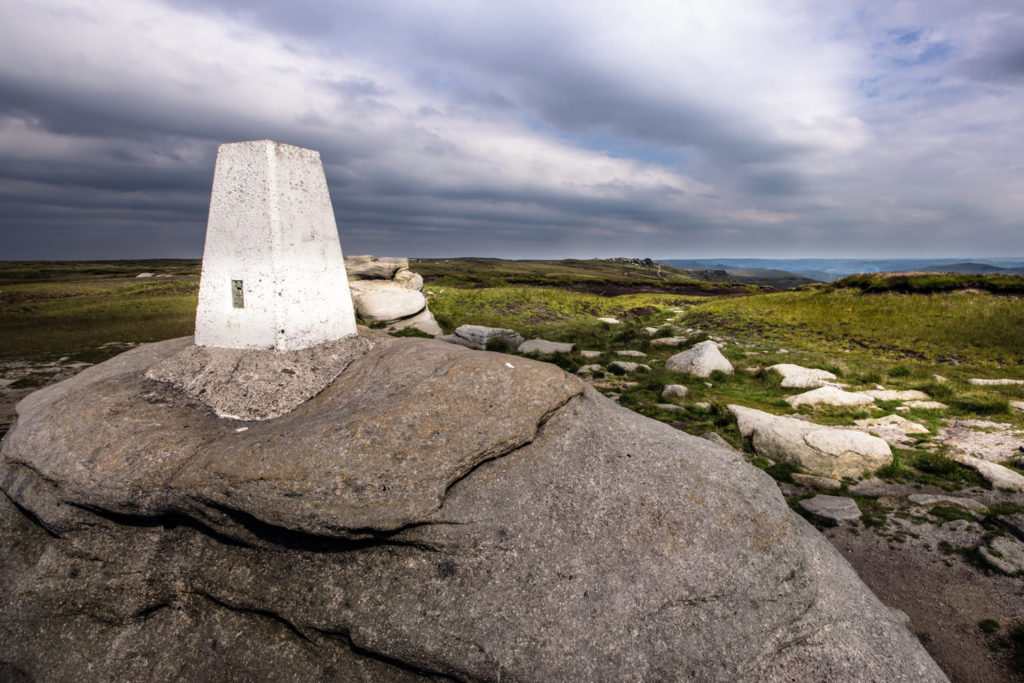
pixel 971 268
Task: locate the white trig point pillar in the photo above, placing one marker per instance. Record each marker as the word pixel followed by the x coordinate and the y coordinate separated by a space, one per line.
pixel 273 275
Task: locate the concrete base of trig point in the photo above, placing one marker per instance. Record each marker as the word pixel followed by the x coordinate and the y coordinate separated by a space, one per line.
pixel 273 275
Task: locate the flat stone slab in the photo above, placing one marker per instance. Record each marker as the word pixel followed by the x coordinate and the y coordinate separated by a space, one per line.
pixel 630 353
pixel 896 430
pixel 993 441
pixel 932 500
pixel 481 336
pixel 590 354
pixel 669 341
pixel 996 382
pixel 815 482
pixel 832 509
pixel 251 384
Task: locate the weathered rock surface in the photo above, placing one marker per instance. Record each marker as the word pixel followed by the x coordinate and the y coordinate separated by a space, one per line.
pixel 247 384
pixel 1005 554
pixel 380 300
pixel 480 336
pixel 590 369
pixel 700 361
pixel 630 353
pixel 896 430
pixel 815 482
pixel 831 452
pixel 543 347
pixel 922 405
pixel 993 441
pixel 409 279
pixel 673 391
pixel 833 509
pixel 830 396
pixel 799 377
pixel 433 513
pixel 931 500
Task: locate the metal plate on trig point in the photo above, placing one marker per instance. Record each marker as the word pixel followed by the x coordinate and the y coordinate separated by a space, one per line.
pixel 237 295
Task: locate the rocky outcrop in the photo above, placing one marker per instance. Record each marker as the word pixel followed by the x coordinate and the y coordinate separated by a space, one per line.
pixel 384 290
pixel 831 452
pixel 992 441
pixel 700 360
pixel 1000 477
pixel 897 431
pixel 434 513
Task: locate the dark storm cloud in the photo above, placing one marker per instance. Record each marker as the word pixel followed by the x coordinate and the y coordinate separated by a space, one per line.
pixel 522 129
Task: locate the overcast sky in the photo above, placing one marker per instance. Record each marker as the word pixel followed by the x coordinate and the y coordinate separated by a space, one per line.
pixel 670 129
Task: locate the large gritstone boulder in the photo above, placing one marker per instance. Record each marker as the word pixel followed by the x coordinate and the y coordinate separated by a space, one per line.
pixel 386 292
pixel 434 513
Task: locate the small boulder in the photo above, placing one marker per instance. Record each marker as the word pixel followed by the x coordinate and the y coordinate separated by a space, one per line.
pixel 588 370
pixel 543 347
pixel 629 353
pixel 673 391
pixel 700 361
pixel 832 452
pixel 669 341
pixel 1005 554
pixel 830 396
pixel 143 276
pixel 481 336
pixel 591 354
pixel 832 509
pixel 921 405
pixel 610 321
pixel 670 407
pixel 377 301
pixel 409 279
pixel 622 367
pixel 799 377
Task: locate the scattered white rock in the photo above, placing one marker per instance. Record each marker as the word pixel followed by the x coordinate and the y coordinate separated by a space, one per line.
pixel 894 429
pixel 1005 554
pixel 815 482
pixel 145 275
pixel 798 377
pixel 610 321
pixel 479 336
pixel 591 354
pixel 896 395
pixel 651 331
pixel 383 300
pixel 700 361
pixel 544 347
pixel 623 366
pixel 832 452
pixel 590 369
pixel 940 379
pixel 669 341
pixel 832 509
pixel 670 407
pixel 629 353
pixel 830 396
pixel 929 500
pixel 672 391
pixel 996 382
pixel 701 406
pixel 1002 478
pixel 1017 405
